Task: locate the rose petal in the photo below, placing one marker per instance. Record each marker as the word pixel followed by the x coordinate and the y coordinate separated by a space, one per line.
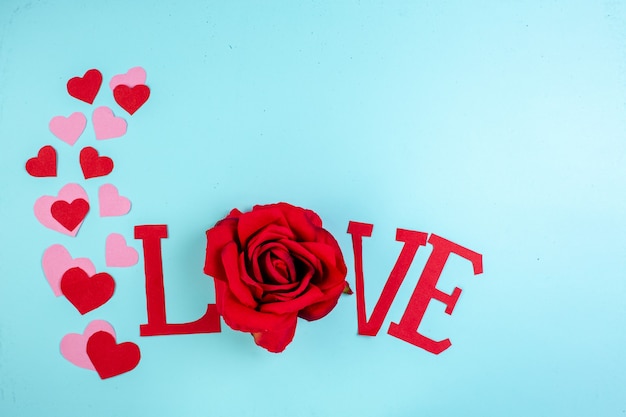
pixel 230 259
pixel 272 296
pixel 312 295
pixel 255 287
pixel 323 251
pixel 266 264
pixel 299 251
pixel 256 220
pixel 279 289
pixel 270 233
pixel 220 289
pixel 254 270
pixel 282 292
pixel 281 269
pixel 218 237
pixel 245 319
pixel 321 309
pixel 333 272
pixel 276 341
pixel 304 223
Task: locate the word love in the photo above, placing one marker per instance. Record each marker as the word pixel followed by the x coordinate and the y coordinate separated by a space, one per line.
pixel 407 329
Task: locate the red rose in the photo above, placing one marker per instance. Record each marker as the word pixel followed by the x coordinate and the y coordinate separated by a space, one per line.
pixel 272 265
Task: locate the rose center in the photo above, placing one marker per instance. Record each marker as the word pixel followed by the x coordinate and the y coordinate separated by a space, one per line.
pixel 281 267
pixel 277 267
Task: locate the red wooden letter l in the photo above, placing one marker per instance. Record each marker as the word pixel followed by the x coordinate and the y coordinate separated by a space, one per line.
pixel 157 325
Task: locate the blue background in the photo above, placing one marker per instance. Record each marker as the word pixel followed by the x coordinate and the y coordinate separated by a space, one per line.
pixel 500 126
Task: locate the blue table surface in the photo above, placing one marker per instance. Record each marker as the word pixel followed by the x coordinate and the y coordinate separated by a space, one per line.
pixel 500 126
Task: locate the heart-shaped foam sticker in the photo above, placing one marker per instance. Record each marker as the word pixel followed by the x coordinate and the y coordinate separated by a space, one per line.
pixel 133 77
pixel 111 202
pixel 44 164
pixel 85 88
pixel 131 98
pixel 56 261
pixel 106 125
pixel 69 215
pixel 85 292
pixel 118 253
pixel 110 358
pixel 74 345
pixel 65 212
pixel 68 129
pixel 94 165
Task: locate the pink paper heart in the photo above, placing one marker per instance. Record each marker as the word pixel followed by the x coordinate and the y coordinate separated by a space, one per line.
pixel 133 77
pixel 117 253
pixel 56 260
pixel 43 205
pixel 68 129
pixel 74 345
pixel 106 125
pixel 111 202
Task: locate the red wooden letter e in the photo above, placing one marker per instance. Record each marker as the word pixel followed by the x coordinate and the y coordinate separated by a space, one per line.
pixel 425 290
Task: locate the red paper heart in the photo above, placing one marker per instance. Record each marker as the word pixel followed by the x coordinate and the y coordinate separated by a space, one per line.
pixel 85 88
pixel 84 292
pixel 69 215
pixel 44 164
pixel 94 165
pixel 109 358
pixel 131 98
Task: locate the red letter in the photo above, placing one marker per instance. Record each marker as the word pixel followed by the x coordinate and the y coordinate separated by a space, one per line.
pixel 157 325
pixel 412 241
pixel 425 290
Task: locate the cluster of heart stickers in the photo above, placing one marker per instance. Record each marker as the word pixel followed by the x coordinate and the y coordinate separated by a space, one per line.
pixel 93 349
pixel 76 278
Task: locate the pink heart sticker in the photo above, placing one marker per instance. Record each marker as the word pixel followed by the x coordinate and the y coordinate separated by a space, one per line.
pixel 133 77
pixel 68 129
pixel 111 202
pixel 43 207
pixel 117 253
pixel 74 345
pixel 56 260
pixel 106 125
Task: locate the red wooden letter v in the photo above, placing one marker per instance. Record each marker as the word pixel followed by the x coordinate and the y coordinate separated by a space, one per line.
pixel 412 241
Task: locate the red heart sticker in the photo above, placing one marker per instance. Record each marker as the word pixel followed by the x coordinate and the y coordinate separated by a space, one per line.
pixel 85 88
pixel 94 165
pixel 44 164
pixel 131 98
pixel 110 358
pixel 69 215
pixel 84 292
